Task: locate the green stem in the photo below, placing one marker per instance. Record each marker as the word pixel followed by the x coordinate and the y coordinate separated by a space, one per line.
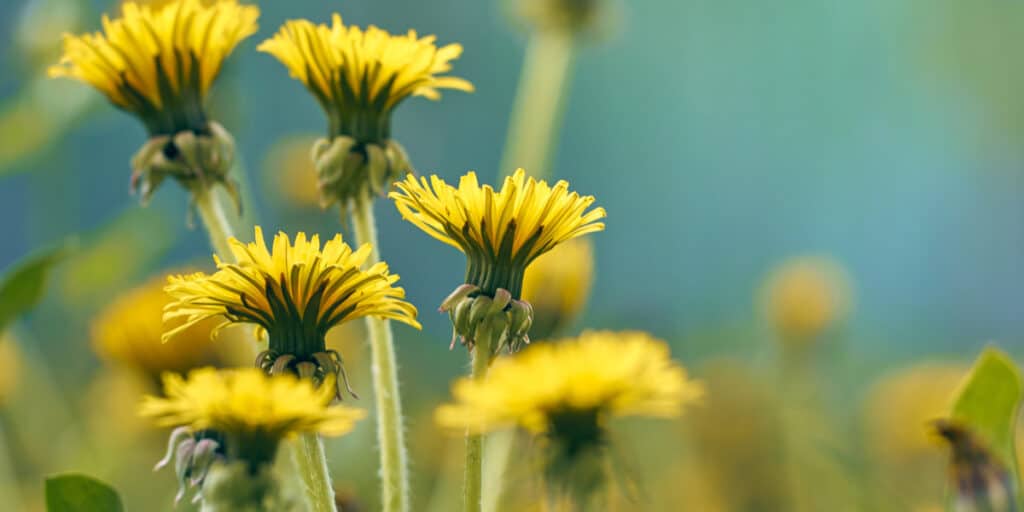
pixel 394 470
pixel 312 464
pixel 211 210
pixel 473 487
pixel 539 104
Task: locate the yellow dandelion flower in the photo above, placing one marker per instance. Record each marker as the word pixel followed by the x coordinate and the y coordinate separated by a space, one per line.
pixel 294 293
pixel 558 285
pixel 568 16
pixel 359 76
pixel 159 63
pixel 501 233
pixel 805 297
pixel 600 374
pixel 251 410
pixel 128 333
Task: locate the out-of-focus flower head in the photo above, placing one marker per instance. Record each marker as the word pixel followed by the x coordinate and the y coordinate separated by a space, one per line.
pixel 557 285
pixel 805 297
pixel 290 172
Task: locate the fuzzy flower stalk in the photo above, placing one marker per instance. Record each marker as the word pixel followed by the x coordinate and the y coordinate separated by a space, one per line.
pixel 293 293
pixel 229 425
pixel 565 393
pixel 159 64
pixel 359 76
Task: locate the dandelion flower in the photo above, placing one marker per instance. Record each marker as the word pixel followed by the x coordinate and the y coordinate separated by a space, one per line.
pixel 240 416
pixel 294 293
pixel 159 63
pixel 557 285
pixel 567 390
pixel 501 233
pixel 359 76
pixel 805 297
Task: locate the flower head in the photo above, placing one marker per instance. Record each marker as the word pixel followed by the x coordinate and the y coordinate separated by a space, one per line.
pixel 566 391
pixel 294 293
pixel 565 16
pixel 159 63
pixel 501 233
pixel 557 285
pixel 128 331
pixel 359 77
pixel 251 410
pixel 805 297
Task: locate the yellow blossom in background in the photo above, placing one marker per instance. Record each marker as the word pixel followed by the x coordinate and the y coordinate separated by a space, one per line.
pixel 294 293
pixel 805 297
pixel 501 233
pixel 290 173
pixel 358 75
pixel 604 373
pixel 128 333
pixel 569 16
pixel 557 285
pixel 248 403
pixel 159 63
pixel 10 367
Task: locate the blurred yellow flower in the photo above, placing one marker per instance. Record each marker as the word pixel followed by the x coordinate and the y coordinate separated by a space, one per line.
pixel 247 402
pixel 290 172
pixel 571 16
pixel 501 233
pixel 359 76
pixel 10 367
pixel 128 333
pixel 805 297
pixel 159 63
pixel 550 387
pixel 557 285
pixel 294 293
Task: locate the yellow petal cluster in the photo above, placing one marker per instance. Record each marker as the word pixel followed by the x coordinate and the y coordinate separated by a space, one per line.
pixel 351 70
pixel 608 373
pixel 510 227
pixel 159 62
pixel 292 287
pixel 250 404
pixel 128 333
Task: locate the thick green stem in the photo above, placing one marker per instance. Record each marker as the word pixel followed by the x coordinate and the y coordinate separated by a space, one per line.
pixel 472 492
pixel 214 217
pixel 390 436
pixel 539 104
pixel 312 464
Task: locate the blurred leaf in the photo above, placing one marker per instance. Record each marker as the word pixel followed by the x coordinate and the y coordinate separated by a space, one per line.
pixel 22 286
pixel 987 403
pixel 80 493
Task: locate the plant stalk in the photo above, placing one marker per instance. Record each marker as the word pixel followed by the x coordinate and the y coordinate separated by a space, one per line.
pixel 390 435
pixel 312 463
pixel 214 216
pixel 540 102
pixel 473 488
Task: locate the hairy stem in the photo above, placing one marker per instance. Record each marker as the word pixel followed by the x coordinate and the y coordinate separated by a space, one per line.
pixel 390 435
pixel 473 487
pixel 214 217
pixel 312 463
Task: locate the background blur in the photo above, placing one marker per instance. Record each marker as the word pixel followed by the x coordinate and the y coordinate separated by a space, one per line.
pixel 724 137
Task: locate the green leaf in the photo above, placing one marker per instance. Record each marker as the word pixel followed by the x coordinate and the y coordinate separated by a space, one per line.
pixel 22 286
pixel 79 493
pixel 987 403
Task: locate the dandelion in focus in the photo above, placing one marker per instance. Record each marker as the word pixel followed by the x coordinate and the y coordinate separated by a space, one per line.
pixel 359 77
pixel 501 233
pixel 230 424
pixel 806 297
pixel 159 63
pixel 128 332
pixel 566 392
pixel 557 285
pixel 294 293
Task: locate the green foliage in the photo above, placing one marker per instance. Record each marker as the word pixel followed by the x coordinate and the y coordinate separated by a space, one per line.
pixel 80 493
pixel 987 402
pixel 22 286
